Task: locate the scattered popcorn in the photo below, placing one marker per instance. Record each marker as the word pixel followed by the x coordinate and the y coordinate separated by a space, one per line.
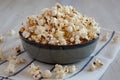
pixel 1 38
pixel 11 32
pixel 11 66
pixel 58 68
pixel 12 62
pixel 35 71
pixel 61 71
pixel 96 64
pixel 60 74
pixel 66 69
pixel 2 57
pixel 116 39
pixel 62 22
pixel 92 67
pixel 17 49
pixel 105 37
pixel 46 74
pixel 72 69
pixel 10 69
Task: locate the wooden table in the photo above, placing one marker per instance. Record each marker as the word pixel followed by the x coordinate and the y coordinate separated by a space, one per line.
pixel 106 12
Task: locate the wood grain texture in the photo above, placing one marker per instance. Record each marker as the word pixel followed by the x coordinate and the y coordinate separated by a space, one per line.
pixel 106 12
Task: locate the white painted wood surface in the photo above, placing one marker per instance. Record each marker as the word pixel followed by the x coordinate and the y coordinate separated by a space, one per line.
pixel 106 12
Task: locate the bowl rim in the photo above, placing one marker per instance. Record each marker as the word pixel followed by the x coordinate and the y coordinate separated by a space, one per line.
pixel 48 46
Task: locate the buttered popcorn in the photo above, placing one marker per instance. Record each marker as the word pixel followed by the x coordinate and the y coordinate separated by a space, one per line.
pixel 60 25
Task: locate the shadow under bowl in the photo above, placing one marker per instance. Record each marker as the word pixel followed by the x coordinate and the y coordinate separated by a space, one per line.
pixel 58 54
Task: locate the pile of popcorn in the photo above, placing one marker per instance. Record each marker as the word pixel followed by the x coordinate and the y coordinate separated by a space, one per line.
pixel 60 25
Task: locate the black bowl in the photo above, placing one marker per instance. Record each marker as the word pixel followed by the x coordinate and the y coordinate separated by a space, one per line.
pixel 58 54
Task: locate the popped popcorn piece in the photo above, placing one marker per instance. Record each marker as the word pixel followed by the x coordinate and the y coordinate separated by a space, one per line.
pixel 105 37
pixel 26 34
pixel 116 39
pixel 72 39
pixel 12 62
pixel 83 33
pixel 92 67
pixel 17 49
pixel 2 57
pixel 98 63
pixel 60 74
pixel 36 75
pixel 69 29
pixel 61 22
pixel 58 68
pixel 35 71
pixel 72 69
pixel 10 69
pixel 11 32
pixel 11 65
pixel 1 38
pixel 46 74
pixel 66 69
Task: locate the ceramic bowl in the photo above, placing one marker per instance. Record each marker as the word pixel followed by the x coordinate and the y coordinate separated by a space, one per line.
pixel 58 54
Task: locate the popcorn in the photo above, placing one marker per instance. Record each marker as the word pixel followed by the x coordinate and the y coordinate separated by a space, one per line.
pixel 59 34
pixel 61 71
pixel 46 74
pixel 11 32
pixel 69 29
pixel 60 74
pixel 17 49
pixel 72 39
pixel 58 68
pixel 37 75
pixel 105 37
pixel 12 62
pixel 61 22
pixel 83 33
pixel 96 64
pixel 11 66
pixel 92 67
pixel 1 38
pixel 72 69
pixel 26 34
pixel 66 69
pixel 116 39
pixel 35 71
pixel 2 57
